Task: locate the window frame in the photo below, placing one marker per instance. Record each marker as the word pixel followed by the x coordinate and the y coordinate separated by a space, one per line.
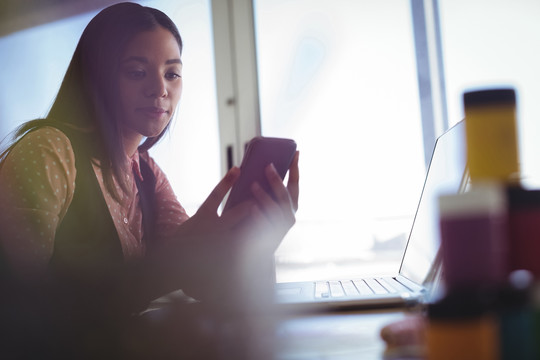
pixel 237 78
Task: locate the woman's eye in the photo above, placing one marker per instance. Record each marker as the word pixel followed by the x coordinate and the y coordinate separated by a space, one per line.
pixel 135 74
pixel 172 76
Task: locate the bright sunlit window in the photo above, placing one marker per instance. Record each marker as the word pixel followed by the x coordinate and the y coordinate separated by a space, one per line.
pixel 339 77
pixel 493 43
pixel 29 85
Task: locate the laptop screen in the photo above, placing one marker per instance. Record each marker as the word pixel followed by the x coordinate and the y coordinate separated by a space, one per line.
pixel 446 174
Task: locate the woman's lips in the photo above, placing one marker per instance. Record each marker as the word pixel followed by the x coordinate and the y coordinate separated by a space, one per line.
pixel 152 111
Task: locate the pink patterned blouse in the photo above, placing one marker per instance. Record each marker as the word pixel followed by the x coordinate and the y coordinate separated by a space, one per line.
pixel 37 183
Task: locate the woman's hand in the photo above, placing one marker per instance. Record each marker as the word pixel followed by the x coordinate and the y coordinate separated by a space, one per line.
pixel 214 253
pixel 273 218
pixel 202 247
pixel 251 219
pixel 206 222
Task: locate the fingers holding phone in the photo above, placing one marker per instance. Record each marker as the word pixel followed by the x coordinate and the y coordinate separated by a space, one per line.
pixel 277 206
pixel 293 182
pixel 212 202
pixel 257 190
pixel 261 152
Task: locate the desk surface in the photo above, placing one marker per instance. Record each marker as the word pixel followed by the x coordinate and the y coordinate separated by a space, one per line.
pixel 307 336
pixel 351 335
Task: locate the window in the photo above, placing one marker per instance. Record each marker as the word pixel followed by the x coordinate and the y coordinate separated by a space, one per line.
pixel 339 77
pixel 32 66
pixel 493 43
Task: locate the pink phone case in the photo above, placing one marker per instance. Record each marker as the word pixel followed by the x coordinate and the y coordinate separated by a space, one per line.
pixel 260 152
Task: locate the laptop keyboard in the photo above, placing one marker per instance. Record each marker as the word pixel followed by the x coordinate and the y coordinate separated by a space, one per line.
pixel 369 286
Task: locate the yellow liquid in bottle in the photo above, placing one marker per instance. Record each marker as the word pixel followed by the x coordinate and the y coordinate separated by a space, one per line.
pixel 492 147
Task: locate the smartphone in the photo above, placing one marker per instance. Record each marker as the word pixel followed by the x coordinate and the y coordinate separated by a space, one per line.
pixel 261 152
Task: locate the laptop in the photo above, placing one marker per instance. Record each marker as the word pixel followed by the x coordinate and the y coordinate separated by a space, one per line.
pixel 417 276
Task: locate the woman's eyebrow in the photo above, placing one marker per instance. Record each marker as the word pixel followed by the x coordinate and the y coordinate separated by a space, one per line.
pixel 136 58
pixel 144 60
pixel 173 61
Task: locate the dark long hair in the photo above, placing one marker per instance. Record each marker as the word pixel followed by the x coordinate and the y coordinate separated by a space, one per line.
pixel 87 100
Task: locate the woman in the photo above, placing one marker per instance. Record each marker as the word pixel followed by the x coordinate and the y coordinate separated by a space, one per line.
pixel 83 205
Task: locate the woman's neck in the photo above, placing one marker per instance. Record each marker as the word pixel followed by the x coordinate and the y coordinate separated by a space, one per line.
pixel 132 141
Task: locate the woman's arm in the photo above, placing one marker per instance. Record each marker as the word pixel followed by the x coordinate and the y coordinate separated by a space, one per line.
pixel 36 188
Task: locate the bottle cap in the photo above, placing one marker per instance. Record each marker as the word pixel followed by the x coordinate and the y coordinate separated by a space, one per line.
pixel 489 97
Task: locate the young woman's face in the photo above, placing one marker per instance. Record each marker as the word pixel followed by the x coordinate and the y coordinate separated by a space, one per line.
pixel 150 82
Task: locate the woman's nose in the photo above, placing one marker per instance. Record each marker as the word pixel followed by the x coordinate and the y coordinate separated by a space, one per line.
pixel 156 87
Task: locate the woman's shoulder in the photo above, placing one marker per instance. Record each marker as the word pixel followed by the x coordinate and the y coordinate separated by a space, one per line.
pixel 46 139
pixel 44 156
pixel 46 134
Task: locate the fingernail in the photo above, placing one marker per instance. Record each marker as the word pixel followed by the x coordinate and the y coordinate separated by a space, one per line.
pixel 234 170
pixel 271 167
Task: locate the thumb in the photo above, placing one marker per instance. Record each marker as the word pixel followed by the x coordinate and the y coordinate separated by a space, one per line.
pixel 212 202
